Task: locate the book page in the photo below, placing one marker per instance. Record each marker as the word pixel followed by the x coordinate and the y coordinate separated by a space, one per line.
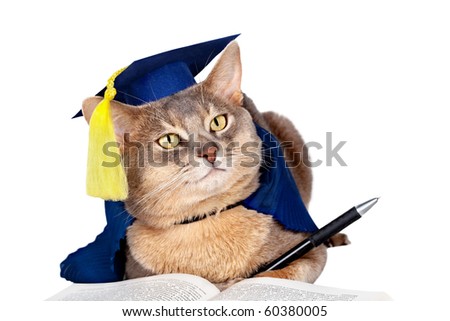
pixel 271 289
pixel 168 287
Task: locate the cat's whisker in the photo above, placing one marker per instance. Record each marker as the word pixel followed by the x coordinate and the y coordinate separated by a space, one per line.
pixel 169 186
pixel 161 115
pixel 201 94
pixel 163 187
pixel 162 196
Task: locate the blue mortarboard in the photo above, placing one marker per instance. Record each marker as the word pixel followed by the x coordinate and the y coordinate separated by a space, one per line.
pixel 153 78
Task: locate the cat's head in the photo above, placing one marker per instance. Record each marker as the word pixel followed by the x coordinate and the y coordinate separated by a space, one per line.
pixel 191 153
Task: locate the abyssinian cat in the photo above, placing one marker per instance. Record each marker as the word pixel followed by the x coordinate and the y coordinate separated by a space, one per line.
pixel 187 172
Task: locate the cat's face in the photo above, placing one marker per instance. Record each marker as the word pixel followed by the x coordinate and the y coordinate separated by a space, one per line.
pixel 196 148
pixel 190 153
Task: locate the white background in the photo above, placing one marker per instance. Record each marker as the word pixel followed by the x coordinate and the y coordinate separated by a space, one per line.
pixel 376 75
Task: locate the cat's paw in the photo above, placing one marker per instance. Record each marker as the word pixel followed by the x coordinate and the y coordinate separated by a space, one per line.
pixel 339 239
pixel 280 274
pixel 224 285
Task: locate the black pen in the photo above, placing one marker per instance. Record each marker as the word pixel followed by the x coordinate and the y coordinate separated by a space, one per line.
pixel 319 236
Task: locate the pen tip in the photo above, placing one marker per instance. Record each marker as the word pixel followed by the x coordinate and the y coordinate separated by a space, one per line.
pixel 366 206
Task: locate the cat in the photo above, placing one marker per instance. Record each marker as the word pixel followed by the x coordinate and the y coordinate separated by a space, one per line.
pixel 187 171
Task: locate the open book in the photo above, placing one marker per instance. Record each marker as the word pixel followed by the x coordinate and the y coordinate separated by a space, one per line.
pixel 185 287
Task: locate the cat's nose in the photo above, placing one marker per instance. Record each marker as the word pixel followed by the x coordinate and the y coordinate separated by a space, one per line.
pixel 210 154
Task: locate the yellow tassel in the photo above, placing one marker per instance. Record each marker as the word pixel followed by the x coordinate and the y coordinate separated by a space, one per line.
pixel 105 179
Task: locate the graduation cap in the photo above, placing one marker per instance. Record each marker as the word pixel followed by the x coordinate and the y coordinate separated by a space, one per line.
pixel 147 80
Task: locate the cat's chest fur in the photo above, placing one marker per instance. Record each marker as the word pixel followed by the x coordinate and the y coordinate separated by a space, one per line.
pixel 228 245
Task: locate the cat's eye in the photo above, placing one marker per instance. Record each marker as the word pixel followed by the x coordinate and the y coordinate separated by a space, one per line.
pixel 218 123
pixel 169 141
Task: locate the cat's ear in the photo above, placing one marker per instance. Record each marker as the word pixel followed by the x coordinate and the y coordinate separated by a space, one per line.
pixel 88 107
pixel 123 116
pixel 225 78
